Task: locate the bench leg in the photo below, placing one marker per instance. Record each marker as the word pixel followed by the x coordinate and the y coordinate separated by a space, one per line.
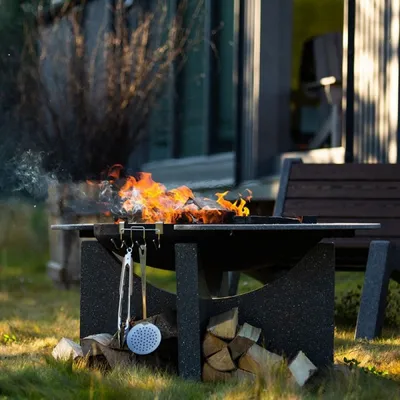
pixel 374 293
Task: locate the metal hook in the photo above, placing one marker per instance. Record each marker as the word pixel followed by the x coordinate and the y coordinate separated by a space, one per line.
pixel 121 229
pixel 115 245
pixel 131 234
pixel 160 231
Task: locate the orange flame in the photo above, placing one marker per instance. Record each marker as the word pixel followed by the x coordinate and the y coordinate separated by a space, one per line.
pixel 152 202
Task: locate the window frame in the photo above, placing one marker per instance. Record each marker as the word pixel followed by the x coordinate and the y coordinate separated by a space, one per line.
pixel 209 79
pixel 262 68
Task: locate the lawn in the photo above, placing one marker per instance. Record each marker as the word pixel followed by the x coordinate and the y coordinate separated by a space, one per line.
pixel 34 316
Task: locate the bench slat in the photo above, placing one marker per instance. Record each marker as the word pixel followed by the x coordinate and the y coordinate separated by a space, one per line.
pixel 344 208
pixel 344 193
pixel 345 172
pixel 344 190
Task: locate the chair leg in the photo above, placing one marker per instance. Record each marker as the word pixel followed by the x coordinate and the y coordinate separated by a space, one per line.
pixel 374 293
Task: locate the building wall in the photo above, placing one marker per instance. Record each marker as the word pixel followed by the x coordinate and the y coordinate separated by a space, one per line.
pixel 372 77
pixel 233 88
pixel 261 43
pixel 239 80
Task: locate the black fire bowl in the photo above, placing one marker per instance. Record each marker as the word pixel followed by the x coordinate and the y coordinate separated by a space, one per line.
pixel 248 248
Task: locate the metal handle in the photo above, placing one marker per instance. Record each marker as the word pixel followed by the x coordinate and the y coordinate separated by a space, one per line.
pixel 127 263
pixel 143 261
pixel 121 295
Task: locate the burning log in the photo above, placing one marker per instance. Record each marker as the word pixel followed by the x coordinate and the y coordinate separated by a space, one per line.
pixel 204 203
pixel 139 199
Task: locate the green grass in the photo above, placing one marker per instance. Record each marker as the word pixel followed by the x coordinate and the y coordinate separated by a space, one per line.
pixel 345 281
pixel 34 316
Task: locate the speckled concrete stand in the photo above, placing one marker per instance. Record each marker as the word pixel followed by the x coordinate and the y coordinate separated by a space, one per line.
pixel 296 312
pixel 382 265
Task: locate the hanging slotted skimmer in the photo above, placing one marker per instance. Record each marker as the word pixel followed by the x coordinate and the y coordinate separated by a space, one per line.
pixel 145 337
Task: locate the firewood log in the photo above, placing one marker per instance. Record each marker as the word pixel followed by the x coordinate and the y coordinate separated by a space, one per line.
pixel 66 349
pixel 242 375
pixel 212 375
pixel 246 337
pixel 164 357
pixel 212 344
pixel 224 325
pixel 302 368
pixel 258 360
pixel 91 344
pixel 205 203
pixel 222 361
pixel 97 349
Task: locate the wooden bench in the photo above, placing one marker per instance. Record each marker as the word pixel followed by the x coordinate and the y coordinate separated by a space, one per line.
pixel 351 193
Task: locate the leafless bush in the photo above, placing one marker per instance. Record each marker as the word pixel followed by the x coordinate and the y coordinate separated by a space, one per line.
pixel 87 105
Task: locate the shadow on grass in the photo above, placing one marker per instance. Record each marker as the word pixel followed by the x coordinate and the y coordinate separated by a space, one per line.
pixel 63 380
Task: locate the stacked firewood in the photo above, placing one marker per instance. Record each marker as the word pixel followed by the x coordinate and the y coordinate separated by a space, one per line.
pixel 231 351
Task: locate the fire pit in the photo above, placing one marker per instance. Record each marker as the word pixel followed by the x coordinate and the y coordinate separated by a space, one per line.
pixel 294 312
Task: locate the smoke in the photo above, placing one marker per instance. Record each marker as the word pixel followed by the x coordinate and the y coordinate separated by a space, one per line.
pixel 28 177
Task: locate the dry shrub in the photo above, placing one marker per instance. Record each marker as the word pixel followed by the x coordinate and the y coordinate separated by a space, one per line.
pixel 86 101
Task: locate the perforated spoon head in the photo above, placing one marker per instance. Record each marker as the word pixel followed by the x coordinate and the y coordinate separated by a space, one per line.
pixel 143 338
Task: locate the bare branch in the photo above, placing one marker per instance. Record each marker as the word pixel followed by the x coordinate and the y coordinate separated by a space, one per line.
pixel 88 108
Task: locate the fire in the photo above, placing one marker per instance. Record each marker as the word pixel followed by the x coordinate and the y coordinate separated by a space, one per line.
pixel 150 201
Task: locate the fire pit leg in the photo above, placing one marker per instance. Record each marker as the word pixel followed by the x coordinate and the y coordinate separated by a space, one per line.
pixel 188 311
pixel 100 275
